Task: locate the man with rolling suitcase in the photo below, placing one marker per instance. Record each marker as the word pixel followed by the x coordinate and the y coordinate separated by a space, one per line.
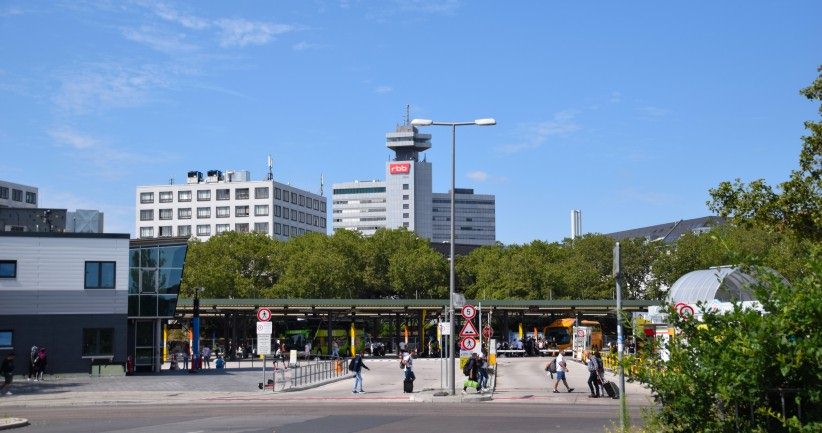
pixel 408 368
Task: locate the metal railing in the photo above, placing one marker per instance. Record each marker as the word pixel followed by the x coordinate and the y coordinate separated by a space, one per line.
pixel 318 370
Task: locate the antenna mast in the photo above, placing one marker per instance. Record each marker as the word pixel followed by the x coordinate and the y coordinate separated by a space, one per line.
pixel 407 114
pixel 270 172
pixel 322 186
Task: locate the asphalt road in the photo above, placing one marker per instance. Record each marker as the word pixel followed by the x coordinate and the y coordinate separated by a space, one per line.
pixel 331 417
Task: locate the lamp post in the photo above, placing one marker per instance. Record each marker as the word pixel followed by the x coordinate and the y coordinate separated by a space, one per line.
pixel 449 371
pixel 195 334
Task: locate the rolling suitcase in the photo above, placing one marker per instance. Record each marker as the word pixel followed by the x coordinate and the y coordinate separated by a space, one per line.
pixel 407 386
pixel 611 389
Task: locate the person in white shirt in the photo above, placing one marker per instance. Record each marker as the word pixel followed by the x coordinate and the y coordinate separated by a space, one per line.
pixel 408 362
pixel 562 368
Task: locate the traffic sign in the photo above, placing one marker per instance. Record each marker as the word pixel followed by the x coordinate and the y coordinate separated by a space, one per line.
pixel 468 311
pixel 487 332
pixel 264 344
pixel 469 330
pixel 468 343
pixel 263 314
pixel 445 328
pixel 265 328
pixel 686 311
pixel 580 333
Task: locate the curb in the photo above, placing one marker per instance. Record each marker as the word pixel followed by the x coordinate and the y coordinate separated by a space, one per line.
pixel 10 423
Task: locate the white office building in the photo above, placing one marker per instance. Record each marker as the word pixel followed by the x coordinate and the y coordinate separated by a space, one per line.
pixel 219 202
pixel 17 195
pixel 405 198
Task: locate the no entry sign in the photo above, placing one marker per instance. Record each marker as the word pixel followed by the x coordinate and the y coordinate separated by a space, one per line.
pixel 263 314
pixel 468 344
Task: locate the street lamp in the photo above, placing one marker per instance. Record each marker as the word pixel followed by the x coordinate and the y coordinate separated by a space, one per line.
pixel 195 325
pixel 449 372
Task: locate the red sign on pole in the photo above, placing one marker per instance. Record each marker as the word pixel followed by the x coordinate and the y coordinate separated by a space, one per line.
pixel 263 314
pixel 469 312
pixel 469 330
pixel 468 344
pixel 487 332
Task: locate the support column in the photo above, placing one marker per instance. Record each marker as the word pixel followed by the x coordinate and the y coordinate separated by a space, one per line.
pixel 421 346
pixel 329 338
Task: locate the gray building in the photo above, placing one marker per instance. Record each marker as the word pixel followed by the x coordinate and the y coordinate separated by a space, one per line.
pixel 66 292
pixel 670 232
pixel 17 195
pixel 474 217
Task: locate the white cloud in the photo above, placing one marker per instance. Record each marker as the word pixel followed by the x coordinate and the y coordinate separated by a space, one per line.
pixel 105 159
pixel 240 32
pixel 159 40
pixel 616 97
pixel 188 21
pixel 652 113
pixel 534 135
pixel 74 139
pixel 429 6
pixel 101 86
pixel 303 45
pixel 383 89
pixel 478 176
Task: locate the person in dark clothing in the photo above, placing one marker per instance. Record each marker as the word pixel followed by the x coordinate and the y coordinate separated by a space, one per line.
pixel 600 372
pixel 593 373
pixel 472 371
pixel 356 366
pixel 32 362
pixel 7 371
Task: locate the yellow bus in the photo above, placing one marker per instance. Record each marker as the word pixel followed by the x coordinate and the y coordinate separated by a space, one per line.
pixel 558 334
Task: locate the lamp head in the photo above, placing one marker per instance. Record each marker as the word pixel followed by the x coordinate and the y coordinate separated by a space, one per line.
pixel 422 122
pixel 485 122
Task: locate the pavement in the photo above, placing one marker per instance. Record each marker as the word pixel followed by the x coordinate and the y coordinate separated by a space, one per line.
pixel 10 423
pixel 518 380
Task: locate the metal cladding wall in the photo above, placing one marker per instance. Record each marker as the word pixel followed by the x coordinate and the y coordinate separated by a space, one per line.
pixel 62 336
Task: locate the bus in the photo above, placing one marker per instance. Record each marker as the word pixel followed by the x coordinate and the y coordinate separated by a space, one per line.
pixel 558 334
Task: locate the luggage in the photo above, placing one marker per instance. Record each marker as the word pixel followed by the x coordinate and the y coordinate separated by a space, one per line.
pixel 407 385
pixel 611 389
pixel 468 383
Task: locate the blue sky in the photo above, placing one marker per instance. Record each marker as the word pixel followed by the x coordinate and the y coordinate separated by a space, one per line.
pixel 629 111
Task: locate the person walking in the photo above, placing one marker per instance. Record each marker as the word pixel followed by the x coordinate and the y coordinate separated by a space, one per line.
pixel 356 366
pixel 471 370
pixel 593 374
pixel 40 365
pixel 562 368
pixel 32 362
pixel 600 372
pixel 483 372
pixel 7 371
pixel 206 356
pixel 335 349
pixel 408 364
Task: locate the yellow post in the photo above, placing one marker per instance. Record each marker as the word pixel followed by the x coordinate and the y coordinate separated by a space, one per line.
pixel 353 338
pixel 521 333
pixel 405 333
pixel 165 343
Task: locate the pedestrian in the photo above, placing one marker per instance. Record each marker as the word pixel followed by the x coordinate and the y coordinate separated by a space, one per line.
pixel 593 373
pixel 206 356
pixel 185 358
pixel 40 366
pixel 408 365
pixel 32 361
pixel 483 371
pixel 562 368
pixel 471 370
pixel 600 372
pixel 356 366
pixel 335 349
pixel 7 371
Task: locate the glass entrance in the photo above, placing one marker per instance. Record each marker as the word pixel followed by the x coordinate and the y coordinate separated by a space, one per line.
pixel 144 346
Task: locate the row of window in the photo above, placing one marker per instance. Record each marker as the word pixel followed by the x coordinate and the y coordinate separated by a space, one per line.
pixel 466 219
pixel 17 195
pixel 458 201
pixel 96 341
pixel 239 211
pixel 463 210
pixel 239 194
pixel 464 228
pixel 98 275
pixel 205 229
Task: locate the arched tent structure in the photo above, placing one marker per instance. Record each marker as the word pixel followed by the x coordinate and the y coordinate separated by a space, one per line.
pixel 723 283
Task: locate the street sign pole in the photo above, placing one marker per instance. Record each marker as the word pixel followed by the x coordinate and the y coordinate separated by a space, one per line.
pixel 623 410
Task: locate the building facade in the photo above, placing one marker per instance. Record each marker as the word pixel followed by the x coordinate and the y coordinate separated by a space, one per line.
pixel 220 202
pixel 17 195
pixel 66 292
pixel 405 198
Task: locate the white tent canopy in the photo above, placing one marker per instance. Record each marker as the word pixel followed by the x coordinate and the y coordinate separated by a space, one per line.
pixel 723 283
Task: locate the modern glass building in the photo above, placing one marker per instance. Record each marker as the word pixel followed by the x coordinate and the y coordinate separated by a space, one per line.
pixel 155 274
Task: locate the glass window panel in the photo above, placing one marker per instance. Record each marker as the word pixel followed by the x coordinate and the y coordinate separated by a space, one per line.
pixel 6 338
pixel 149 281
pixel 148 258
pixel 169 280
pixel 144 333
pixel 134 280
pixel 172 257
pixel 166 305
pixel 134 258
pixel 133 305
pixel 92 274
pixel 148 305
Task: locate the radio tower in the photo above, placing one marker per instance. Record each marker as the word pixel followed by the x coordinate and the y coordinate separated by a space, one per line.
pixel 270 171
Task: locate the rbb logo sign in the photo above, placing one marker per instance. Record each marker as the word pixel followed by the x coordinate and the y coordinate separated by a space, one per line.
pixel 400 168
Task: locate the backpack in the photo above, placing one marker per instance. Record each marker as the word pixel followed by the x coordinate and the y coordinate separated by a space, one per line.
pixel 402 363
pixel 352 365
pixel 467 369
pixel 552 366
pixel 41 355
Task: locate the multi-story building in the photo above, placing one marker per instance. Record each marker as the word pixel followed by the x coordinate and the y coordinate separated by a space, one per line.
pixel 474 217
pixel 219 202
pixel 405 198
pixel 17 195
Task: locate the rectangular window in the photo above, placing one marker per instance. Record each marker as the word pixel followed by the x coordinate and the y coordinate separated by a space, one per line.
pixel 261 210
pixel 302 200
pixel 241 227
pixel 316 221
pixel 293 231
pixel 203 212
pixel 166 214
pixel 100 275
pixel 166 196
pixel 277 228
pixel 204 195
pixel 277 193
pixel 405 215
pixel 146 197
pixel 322 222
pixel 98 341
pixel 184 196
pixel 294 197
pixel 293 215
pixel 286 196
pixel 405 186
pixel 165 232
pixel 405 196
pixel 240 211
pixel 316 204
pixel 17 194
pixel 261 227
pixel 8 268
pixel 261 192
pixel 224 194
pixel 6 339
pixel 241 194
pixel 203 230
pixel 300 231
pixel 277 211
pixel 146 232
pixel 405 224
pixel 286 213
pixel 4 192
pixel 405 205
pixel 285 229
pixel 184 231
pixel 322 206
pixel 184 213
pixel 146 215
pixel 223 211
pixel 221 228
pixel 31 197
pixel 302 217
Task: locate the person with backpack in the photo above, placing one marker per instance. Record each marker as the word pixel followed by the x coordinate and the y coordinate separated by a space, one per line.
pixel 7 371
pixel 562 368
pixel 356 365
pixel 471 370
pixel 551 368
pixel 32 363
pixel 42 360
